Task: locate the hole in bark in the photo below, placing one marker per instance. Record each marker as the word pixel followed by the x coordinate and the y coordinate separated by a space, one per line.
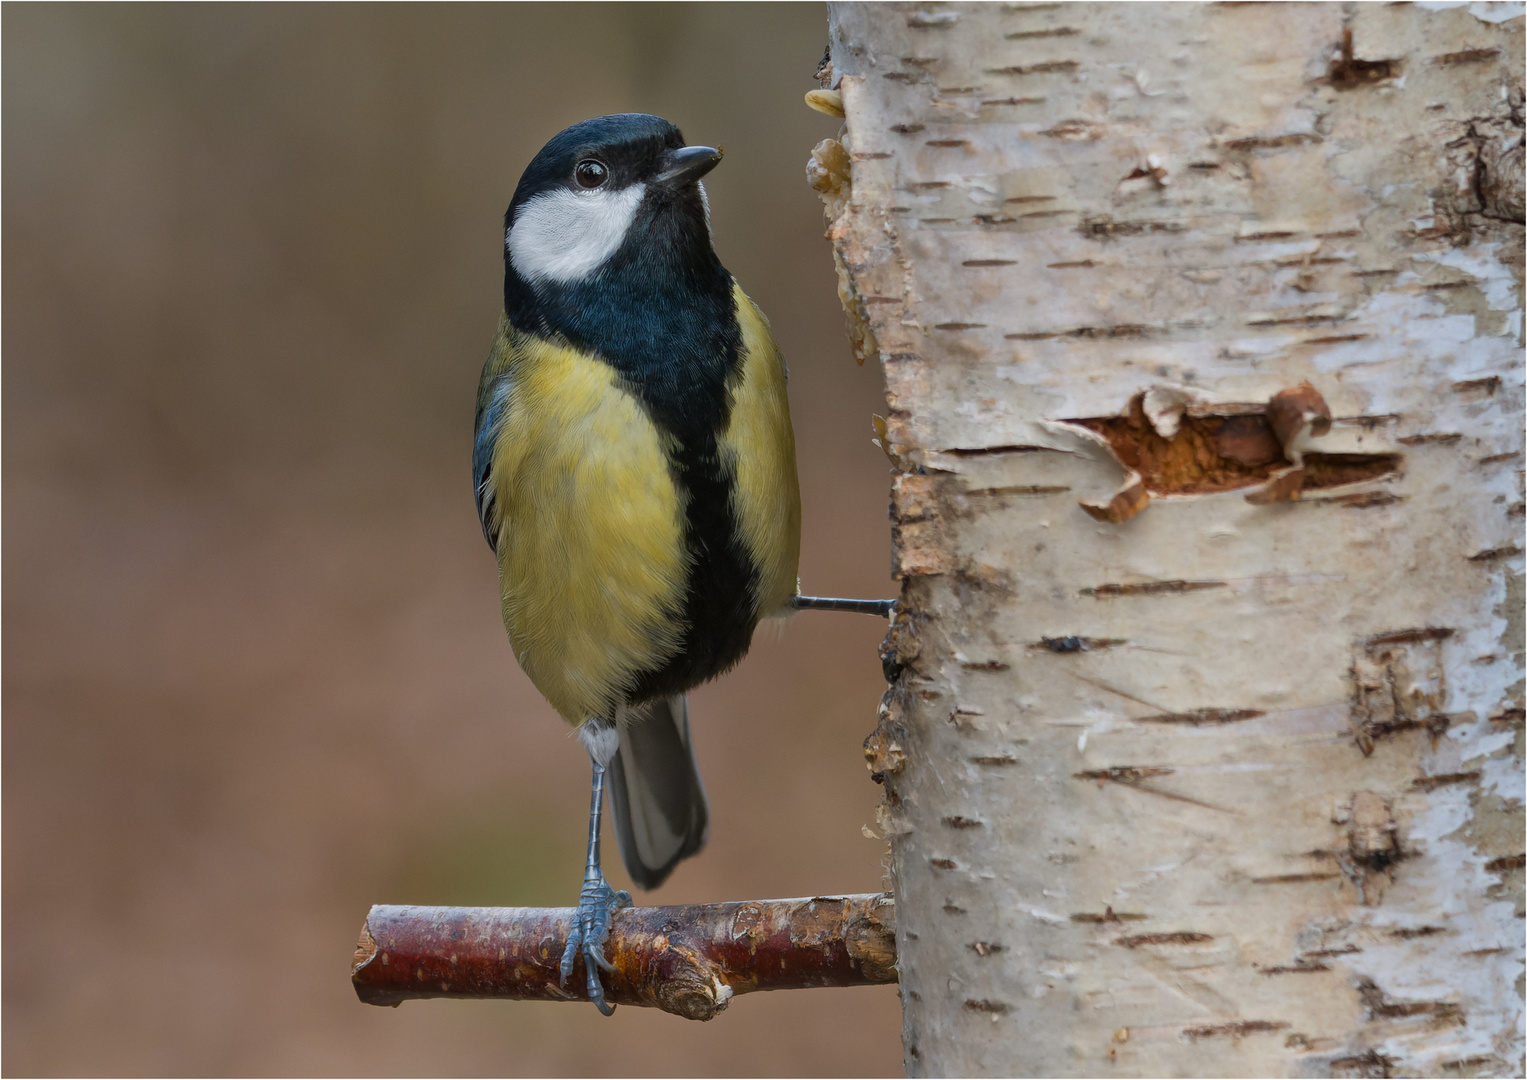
pixel 1212 453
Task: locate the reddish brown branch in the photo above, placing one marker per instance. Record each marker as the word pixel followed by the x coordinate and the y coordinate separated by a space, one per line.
pixel 687 960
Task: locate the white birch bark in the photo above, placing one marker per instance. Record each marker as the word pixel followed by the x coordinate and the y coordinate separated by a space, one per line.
pixel 1223 776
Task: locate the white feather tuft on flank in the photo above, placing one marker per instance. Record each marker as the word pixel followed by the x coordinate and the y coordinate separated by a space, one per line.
pixel 600 738
pixel 564 236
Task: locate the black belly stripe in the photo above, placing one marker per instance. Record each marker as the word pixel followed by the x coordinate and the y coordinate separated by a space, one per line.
pixel 721 594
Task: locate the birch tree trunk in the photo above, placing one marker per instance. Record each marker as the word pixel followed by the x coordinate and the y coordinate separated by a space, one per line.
pixel 1201 331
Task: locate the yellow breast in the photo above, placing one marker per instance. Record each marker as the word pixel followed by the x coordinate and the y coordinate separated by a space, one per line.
pixel 592 561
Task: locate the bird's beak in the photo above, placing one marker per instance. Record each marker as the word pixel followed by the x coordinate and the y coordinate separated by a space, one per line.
pixel 687 164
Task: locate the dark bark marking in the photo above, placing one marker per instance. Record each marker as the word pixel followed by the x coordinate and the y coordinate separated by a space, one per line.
pixel 1466 56
pixel 1200 717
pixel 1431 783
pixel 1492 554
pixel 1045 67
pixel 1123 774
pixel 1380 1007
pixel 1347 72
pixel 1181 937
pixel 1294 879
pixel 1073 643
pixel 1273 142
pixel 1490 385
pixel 1293 969
pixel 958 822
pixel 985 1005
pixel 1151 588
pixel 992 451
pixel 1236 1030
pixel 1408 637
pixel 983 665
pixel 1059 31
pixel 1344 950
pixel 1369 1064
pixel 1365 500
pixel 1108 916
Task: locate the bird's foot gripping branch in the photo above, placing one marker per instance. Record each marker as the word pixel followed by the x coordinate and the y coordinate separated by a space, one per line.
pixel 688 960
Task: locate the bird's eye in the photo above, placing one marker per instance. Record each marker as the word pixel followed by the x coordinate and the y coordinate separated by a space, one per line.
pixel 590 173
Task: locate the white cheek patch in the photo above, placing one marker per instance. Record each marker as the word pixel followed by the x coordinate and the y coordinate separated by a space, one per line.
pixel 565 236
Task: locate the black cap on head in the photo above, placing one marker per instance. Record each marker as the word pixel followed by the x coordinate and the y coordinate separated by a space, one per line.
pixel 614 152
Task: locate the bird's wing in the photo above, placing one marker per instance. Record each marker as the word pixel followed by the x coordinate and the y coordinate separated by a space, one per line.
pixel 758 447
pixel 492 403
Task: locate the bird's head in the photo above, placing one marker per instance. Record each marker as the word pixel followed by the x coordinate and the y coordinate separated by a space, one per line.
pixel 608 183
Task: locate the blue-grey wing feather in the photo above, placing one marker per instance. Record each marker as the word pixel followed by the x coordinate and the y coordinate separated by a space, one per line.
pixel 493 402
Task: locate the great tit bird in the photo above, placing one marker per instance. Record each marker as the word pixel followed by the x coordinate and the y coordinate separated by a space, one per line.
pixel 635 474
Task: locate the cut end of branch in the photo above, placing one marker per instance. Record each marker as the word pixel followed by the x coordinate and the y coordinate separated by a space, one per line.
pixel 365 950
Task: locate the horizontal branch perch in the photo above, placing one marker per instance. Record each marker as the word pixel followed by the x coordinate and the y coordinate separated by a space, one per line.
pixel 688 960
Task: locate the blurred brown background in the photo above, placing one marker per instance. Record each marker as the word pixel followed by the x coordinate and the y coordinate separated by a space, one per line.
pixel 255 679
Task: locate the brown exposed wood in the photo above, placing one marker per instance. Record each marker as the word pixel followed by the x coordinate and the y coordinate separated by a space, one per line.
pixel 1193 461
pixel 688 960
pixel 1296 408
pixel 1221 448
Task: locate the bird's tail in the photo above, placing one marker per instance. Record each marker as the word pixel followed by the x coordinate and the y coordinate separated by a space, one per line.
pixel 655 791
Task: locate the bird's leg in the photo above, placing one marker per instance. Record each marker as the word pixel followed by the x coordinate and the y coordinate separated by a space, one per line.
pixel 597 902
pixel 883 608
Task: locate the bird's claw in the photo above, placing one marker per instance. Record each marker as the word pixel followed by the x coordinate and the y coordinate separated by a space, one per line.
pixel 597 903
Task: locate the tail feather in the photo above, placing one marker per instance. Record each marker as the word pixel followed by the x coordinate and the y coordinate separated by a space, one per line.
pixel 656 797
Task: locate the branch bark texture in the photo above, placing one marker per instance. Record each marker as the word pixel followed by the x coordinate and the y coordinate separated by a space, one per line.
pixel 1201 329
pixel 688 960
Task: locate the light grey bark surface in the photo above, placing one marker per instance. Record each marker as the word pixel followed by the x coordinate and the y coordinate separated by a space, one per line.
pixel 1205 752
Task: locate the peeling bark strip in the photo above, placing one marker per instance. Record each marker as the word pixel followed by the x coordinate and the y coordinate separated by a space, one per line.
pixel 1201 329
pixel 689 961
